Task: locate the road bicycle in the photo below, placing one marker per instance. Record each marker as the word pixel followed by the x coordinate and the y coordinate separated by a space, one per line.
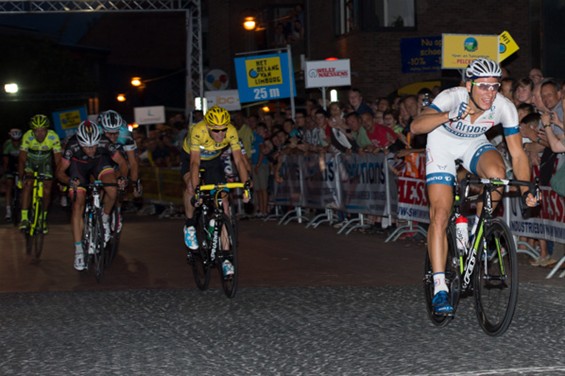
pixel 35 232
pixel 216 234
pixel 96 251
pixel 487 268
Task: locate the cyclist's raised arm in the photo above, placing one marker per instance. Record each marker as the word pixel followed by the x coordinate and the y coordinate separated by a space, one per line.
pixel 428 120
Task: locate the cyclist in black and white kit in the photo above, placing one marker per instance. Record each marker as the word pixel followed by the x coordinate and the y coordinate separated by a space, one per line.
pixel 456 122
pixel 89 154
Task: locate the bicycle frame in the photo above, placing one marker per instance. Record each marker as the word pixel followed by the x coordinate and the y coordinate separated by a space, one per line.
pixel 37 201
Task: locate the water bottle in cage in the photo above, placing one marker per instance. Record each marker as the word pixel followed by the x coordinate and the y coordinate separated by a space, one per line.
pixel 462 232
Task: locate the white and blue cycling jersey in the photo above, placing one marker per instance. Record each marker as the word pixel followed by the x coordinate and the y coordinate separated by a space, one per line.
pixel 125 139
pixel 462 139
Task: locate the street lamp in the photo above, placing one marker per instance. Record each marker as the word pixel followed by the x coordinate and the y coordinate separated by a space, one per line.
pixel 137 82
pixel 11 88
pixel 249 23
pixel 121 97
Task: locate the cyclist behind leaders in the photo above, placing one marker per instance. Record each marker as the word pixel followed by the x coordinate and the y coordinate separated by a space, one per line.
pixel 208 139
pixel 10 156
pixel 40 148
pixel 456 122
pixel 116 130
pixel 89 153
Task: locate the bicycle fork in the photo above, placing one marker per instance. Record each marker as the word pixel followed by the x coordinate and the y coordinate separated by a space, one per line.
pixel 38 198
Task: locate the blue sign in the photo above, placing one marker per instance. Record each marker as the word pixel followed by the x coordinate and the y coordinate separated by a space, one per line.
pixel 420 55
pixel 65 122
pixel 264 77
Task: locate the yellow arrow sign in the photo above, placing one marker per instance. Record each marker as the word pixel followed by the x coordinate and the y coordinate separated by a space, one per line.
pixel 507 46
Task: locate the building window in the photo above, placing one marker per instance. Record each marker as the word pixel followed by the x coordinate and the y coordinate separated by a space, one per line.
pixel 374 15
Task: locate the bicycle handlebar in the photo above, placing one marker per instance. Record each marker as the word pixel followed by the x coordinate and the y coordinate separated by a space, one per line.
pixel 212 187
pixel 493 183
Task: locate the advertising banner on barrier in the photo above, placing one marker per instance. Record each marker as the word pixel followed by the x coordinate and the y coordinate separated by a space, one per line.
pixel 363 186
pixel 320 181
pixel 288 192
pixel 412 200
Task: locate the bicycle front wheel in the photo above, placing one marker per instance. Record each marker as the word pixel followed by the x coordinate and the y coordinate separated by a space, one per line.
pixel 116 230
pixel 452 279
pixel 228 252
pixel 34 234
pixel 496 279
pixel 199 259
pixel 99 248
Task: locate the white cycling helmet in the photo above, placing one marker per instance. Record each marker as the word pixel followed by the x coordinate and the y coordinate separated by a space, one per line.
pixel 88 134
pixel 482 67
pixel 15 133
pixel 110 121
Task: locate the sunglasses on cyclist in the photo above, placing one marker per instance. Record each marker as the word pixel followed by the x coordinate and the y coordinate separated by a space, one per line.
pixel 219 130
pixel 484 86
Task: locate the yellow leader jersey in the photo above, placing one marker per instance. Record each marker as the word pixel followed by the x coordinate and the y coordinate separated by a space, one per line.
pixel 199 139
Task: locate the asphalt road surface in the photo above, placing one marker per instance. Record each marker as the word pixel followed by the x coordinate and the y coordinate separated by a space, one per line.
pixel 310 302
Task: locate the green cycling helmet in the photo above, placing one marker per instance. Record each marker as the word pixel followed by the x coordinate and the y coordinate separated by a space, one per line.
pixel 39 121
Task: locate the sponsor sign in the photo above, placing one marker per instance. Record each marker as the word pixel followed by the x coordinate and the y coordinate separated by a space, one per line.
pixel 327 73
pixel 216 79
pixel 458 50
pixel 420 55
pixel 264 77
pixel 149 115
pixel 228 99
pixel 65 122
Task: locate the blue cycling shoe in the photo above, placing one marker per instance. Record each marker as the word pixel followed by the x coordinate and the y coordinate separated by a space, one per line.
pixel 441 305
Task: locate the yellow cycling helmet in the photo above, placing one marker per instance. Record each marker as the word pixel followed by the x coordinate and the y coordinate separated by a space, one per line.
pixel 39 121
pixel 217 118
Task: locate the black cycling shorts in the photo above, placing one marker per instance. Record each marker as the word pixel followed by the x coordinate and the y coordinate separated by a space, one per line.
pixel 95 167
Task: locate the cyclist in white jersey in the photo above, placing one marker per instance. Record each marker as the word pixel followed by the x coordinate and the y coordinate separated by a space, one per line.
pixel 456 122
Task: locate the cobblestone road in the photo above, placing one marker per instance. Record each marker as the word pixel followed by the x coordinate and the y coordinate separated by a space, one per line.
pixel 310 303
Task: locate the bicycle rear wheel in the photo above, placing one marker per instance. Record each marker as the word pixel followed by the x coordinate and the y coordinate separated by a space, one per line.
pixel 452 279
pixel 496 279
pixel 228 252
pixel 199 260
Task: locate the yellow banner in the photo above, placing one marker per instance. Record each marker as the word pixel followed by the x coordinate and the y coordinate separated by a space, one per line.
pixel 264 72
pixel 507 46
pixel 458 50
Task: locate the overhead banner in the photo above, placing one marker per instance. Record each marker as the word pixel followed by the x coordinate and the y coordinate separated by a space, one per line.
pixel 327 73
pixel 420 55
pixel 458 50
pixel 264 77
pixel 228 99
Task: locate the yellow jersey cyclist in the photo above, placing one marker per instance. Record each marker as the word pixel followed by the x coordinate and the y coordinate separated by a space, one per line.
pixel 90 154
pixel 10 156
pixel 40 149
pixel 208 140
